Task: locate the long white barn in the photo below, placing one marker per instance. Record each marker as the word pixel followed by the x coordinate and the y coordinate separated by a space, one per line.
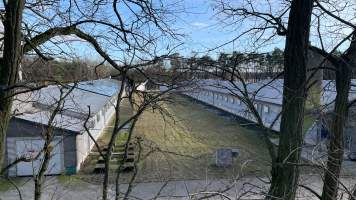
pixel 267 97
pixel 225 96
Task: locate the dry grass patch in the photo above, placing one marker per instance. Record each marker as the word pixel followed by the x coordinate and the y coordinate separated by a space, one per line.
pixel 182 146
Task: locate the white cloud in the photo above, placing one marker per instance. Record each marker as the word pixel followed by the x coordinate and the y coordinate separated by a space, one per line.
pixel 69 38
pixel 199 24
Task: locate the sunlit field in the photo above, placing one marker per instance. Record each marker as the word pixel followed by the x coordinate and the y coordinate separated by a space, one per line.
pixel 181 144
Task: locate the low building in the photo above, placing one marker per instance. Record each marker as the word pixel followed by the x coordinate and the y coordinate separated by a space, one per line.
pixel 71 143
pixel 225 96
pixel 267 98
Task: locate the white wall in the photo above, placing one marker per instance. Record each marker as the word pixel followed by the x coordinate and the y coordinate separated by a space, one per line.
pixel 100 121
pixel 12 151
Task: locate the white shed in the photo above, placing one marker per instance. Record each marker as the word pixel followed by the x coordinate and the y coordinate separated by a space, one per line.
pixel 71 144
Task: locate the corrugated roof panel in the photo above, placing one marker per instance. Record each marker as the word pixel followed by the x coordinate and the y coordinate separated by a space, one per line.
pixel 270 91
pixel 33 106
pixel 107 87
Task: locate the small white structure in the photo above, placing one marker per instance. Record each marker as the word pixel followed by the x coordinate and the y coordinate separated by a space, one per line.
pixel 142 86
pixel 223 158
pixel 148 86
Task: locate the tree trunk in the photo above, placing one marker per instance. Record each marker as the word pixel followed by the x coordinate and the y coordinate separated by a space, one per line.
pixel 112 141
pixel 40 176
pixel 38 189
pixel 336 145
pixel 285 171
pixel 9 65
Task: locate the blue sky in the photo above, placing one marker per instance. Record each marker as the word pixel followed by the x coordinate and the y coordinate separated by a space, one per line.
pixel 200 26
pixel 202 31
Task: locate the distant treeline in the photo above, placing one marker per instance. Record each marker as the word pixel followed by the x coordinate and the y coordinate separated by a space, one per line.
pixel 37 69
pixel 256 66
pixel 252 66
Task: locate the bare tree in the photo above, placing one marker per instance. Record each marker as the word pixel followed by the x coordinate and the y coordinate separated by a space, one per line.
pixel 274 19
pixel 285 176
pixel 136 35
pixel 9 64
pixel 48 136
pixel 81 21
pixel 284 171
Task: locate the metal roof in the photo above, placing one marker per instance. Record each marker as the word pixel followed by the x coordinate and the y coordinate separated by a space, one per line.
pixel 270 91
pixel 36 106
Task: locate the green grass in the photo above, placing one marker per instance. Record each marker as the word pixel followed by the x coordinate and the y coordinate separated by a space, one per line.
pixel 125 113
pixel 122 138
pixel 69 180
pixel 308 122
pixel 185 143
pixel 182 145
pixel 6 185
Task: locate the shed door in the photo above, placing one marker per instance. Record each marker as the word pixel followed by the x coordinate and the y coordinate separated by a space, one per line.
pixel 30 148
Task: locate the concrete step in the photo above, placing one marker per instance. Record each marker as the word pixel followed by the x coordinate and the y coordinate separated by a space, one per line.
pixel 126 167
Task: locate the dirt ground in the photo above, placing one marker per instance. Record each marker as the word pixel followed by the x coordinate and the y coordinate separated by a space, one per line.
pixel 181 143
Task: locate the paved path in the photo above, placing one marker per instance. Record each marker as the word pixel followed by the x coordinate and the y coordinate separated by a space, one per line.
pixel 192 189
pixel 246 188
